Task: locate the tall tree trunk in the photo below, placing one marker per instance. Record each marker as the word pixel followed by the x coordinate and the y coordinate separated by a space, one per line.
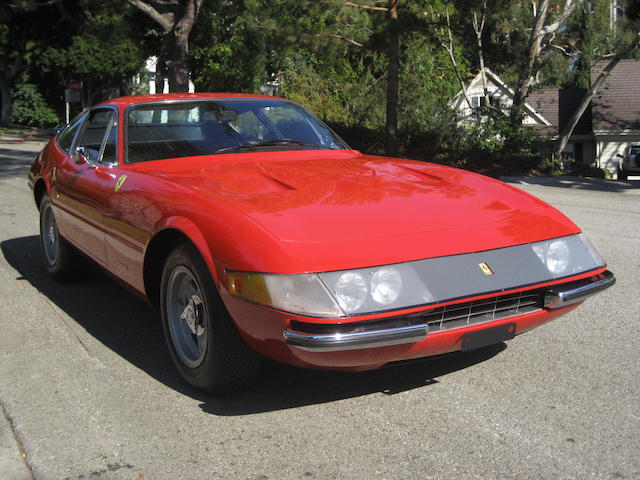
pixel 563 139
pixel 528 74
pixel 178 61
pixel 5 97
pixel 391 129
pixel 478 27
pixel 530 70
pixel 448 46
pixel 161 71
pixel 176 19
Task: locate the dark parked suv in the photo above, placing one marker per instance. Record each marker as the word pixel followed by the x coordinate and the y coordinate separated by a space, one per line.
pixel 630 162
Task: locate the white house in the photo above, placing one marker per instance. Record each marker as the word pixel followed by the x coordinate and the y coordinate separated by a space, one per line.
pixel 607 127
pixel 500 96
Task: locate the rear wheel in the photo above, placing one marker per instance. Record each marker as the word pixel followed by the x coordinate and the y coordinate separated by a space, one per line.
pixel 202 339
pixel 57 253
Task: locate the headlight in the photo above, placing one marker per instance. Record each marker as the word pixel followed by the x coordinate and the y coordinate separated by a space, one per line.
pixel 386 284
pixel 351 291
pixel 567 255
pixel 558 257
pixel 375 289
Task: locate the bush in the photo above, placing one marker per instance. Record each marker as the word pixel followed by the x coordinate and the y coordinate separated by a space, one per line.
pixel 489 146
pixel 30 108
pixel 582 170
pixel 366 140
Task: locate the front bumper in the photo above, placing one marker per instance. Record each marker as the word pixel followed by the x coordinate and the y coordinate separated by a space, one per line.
pixel 411 329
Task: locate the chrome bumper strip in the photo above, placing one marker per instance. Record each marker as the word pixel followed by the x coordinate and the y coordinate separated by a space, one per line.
pixel 351 341
pixel 562 295
pixel 555 297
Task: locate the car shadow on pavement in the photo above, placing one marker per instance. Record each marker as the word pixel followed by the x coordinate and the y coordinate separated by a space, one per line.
pixel 130 328
pixel 15 163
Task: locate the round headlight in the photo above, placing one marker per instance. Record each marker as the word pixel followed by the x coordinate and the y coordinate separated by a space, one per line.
pixel 557 258
pixel 385 285
pixel 351 291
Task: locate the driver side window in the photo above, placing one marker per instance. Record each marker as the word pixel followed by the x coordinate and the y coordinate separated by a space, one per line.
pixel 98 137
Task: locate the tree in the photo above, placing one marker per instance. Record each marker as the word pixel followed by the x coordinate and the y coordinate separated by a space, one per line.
pixel 21 29
pixel 105 52
pixel 11 63
pixel 176 19
pixel 624 52
pixel 539 32
pixel 391 127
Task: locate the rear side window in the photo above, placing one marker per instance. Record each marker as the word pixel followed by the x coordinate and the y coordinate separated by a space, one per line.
pixel 65 138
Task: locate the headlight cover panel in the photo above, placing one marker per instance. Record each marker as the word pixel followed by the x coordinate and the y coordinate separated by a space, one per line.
pixel 441 279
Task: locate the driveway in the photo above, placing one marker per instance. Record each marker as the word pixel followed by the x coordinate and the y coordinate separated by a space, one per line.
pixel 88 390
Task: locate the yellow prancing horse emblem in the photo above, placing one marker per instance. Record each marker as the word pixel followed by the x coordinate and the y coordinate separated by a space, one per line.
pixel 119 183
pixel 485 269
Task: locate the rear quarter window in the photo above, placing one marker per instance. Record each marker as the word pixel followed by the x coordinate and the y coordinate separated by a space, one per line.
pixel 66 136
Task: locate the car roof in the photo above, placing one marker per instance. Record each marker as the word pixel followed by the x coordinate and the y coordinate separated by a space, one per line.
pixel 161 97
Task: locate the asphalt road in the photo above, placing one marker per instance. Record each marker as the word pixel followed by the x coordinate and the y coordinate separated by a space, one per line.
pixel 88 391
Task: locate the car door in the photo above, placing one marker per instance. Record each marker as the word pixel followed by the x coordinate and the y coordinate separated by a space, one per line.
pixel 83 180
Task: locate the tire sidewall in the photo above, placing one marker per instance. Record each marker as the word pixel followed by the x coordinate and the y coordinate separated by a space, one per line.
pixel 55 267
pixel 213 369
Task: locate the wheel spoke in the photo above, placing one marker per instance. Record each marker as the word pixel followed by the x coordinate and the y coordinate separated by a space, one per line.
pixel 187 316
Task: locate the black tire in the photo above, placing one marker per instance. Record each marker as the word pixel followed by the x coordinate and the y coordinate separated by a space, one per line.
pixel 58 255
pixel 202 339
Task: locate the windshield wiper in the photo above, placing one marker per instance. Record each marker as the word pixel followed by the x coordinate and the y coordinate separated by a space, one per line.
pixel 272 143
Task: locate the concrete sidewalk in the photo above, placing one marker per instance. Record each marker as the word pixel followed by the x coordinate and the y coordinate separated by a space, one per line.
pixel 12 460
pixel 27 136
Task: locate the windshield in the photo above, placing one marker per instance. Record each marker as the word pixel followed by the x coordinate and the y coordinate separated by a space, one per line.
pixel 180 129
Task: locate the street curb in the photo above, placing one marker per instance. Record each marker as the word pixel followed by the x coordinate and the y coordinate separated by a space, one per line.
pixel 12 461
pixel 11 140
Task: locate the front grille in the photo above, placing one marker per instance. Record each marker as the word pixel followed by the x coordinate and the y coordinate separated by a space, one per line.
pixel 442 318
pixel 480 311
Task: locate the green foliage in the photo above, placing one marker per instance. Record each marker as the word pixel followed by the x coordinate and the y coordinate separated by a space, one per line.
pixel 330 56
pixel 225 49
pixel 489 146
pixel 581 170
pixel 29 107
pixel 106 52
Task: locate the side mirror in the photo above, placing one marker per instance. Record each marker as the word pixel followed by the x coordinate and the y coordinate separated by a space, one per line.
pixel 618 155
pixel 81 155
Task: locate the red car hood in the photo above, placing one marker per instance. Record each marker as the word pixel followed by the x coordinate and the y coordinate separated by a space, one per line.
pixel 344 197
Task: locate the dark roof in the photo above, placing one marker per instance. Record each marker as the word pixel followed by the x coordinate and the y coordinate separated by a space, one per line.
pixel 557 106
pixel 616 106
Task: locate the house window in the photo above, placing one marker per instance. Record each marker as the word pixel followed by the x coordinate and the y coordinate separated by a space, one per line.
pixel 477 102
pixel 480 101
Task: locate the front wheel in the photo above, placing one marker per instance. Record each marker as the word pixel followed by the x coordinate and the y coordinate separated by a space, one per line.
pixel 59 257
pixel 202 339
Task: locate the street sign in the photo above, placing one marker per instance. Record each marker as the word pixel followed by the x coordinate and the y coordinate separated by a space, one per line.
pixel 71 96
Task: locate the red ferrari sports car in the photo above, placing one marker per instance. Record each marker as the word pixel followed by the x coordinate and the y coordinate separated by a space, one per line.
pixel 259 232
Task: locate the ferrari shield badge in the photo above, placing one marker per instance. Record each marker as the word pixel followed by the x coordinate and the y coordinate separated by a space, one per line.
pixel 485 269
pixel 119 183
